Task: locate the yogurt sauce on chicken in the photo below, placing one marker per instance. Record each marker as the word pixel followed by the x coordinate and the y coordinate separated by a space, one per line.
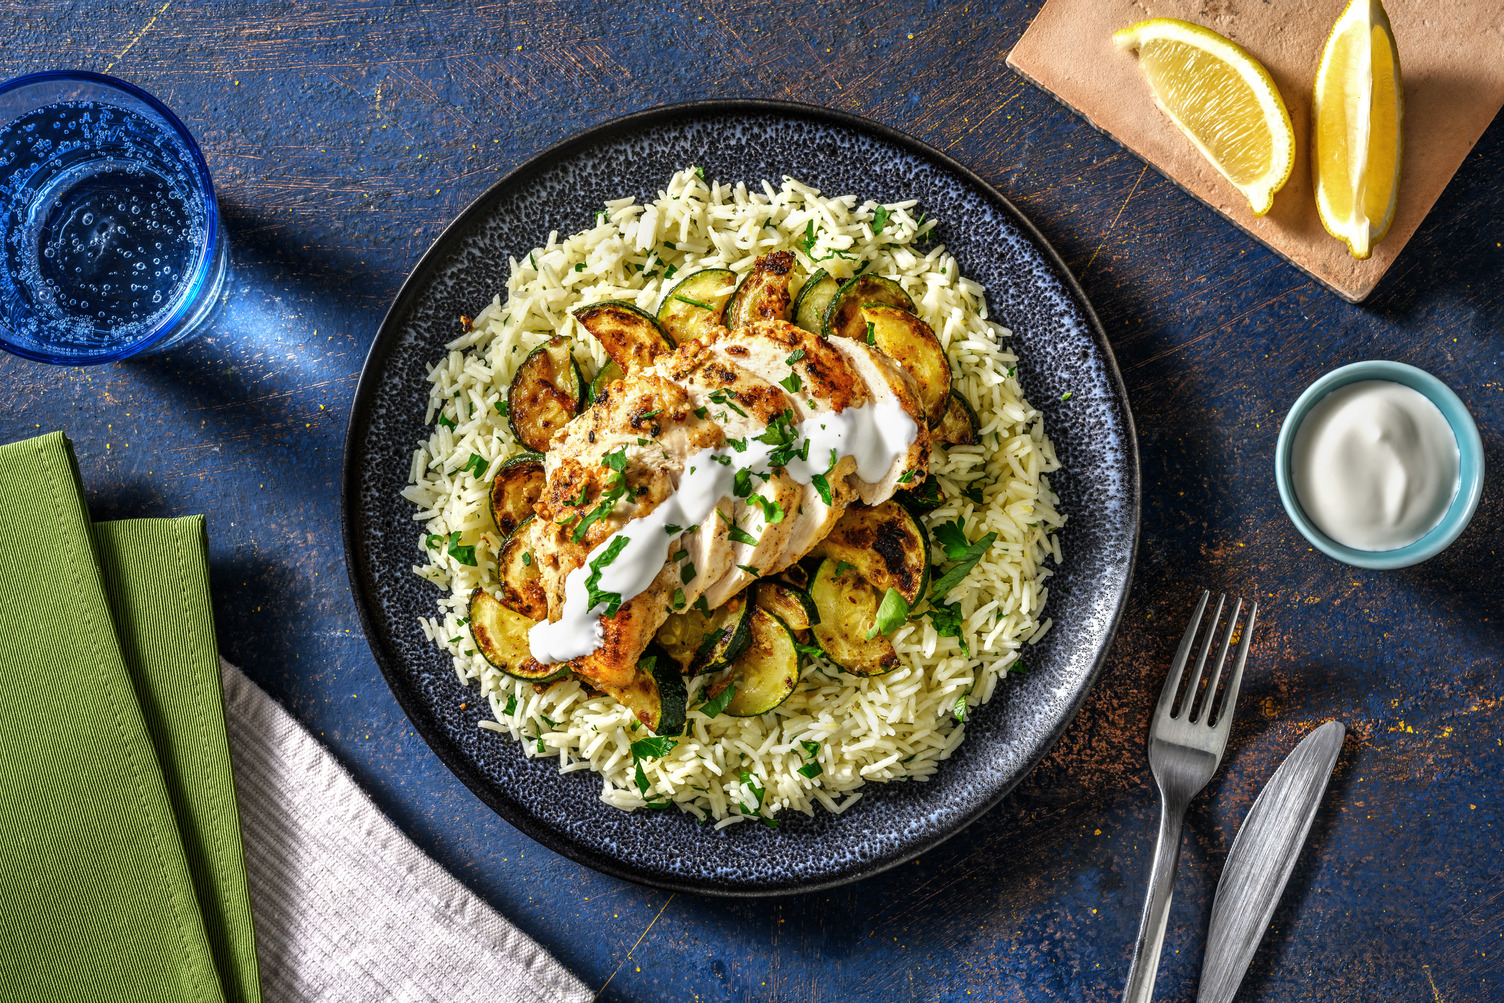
pixel 876 434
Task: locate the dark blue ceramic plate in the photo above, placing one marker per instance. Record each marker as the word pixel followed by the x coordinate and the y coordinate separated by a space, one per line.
pixel 1061 346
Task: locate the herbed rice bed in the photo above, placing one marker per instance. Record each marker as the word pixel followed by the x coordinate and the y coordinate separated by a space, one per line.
pixel 898 726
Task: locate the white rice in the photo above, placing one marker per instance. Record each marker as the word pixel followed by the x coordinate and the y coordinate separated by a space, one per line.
pixel 898 726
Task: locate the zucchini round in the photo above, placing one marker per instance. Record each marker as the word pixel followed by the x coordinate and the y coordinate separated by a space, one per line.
pixel 630 336
pixel 767 672
pixel 608 374
pixel 844 314
pixel 959 426
pixel 696 304
pixel 814 298
pixel 521 587
pixel 515 487
pixel 501 638
pixel 911 343
pixel 885 544
pixel 545 394
pixel 764 293
pixel 848 611
pixel 657 695
pixel 699 643
pixel 791 605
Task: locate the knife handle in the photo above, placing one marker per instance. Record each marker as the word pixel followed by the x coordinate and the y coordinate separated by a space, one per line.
pixel 1151 925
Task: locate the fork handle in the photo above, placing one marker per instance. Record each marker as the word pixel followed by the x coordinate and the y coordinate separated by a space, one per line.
pixel 1151 925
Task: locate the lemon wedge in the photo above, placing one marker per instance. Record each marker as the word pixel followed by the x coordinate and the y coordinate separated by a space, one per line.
pixel 1356 114
pixel 1222 99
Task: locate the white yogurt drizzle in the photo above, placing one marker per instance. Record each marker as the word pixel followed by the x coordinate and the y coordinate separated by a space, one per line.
pixel 874 434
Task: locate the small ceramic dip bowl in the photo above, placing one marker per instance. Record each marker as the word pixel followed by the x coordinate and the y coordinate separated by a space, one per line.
pixel 1469 452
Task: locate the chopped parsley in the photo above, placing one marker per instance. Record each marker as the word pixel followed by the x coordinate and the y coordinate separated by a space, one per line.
pixel 749 782
pixel 794 357
pixel 433 541
pixel 650 414
pixel 811 769
pixel 701 412
pixel 965 562
pixel 503 408
pixel 749 569
pixel 946 619
pixel 739 535
pixel 723 397
pixel 652 748
pixel 1017 667
pixel 1066 396
pixel 879 219
pixel 960 708
pixel 891 614
pixel 616 462
pixel 700 605
pixel 465 555
pixel 476 465
pixel 679 556
pixel 871 333
pixel 844 566
pixel 678 599
pixel 673 530
pixel 611 601
pixel 952 538
pixel 793 384
pixel 511 707
pixel 822 486
pixel 772 512
pixel 713 707
pixel 740 445
pixel 973 493
pixel 580 267
pixel 693 302
pixel 908 476
pixel 527 558
pixel 687 573
pixel 447 421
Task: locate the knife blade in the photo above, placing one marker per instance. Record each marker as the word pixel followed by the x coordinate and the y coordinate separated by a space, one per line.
pixel 1261 859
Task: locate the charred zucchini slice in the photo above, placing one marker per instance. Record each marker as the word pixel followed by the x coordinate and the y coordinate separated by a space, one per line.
pixel 697 642
pixel 501 637
pixel 764 293
pixel 521 588
pixel 766 673
pixel 791 605
pixel 696 304
pixel 814 298
pixel 608 375
pixel 959 426
pixel 844 314
pixel 848 610
pixel 908 341
pixel 545 394
pixel 885 544
pixel 630 336
pixel 515 487
pixel 657 696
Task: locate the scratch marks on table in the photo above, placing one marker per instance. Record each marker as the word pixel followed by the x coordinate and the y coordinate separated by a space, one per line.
pixel 1111 226
pixel 634 947
pixel 137 36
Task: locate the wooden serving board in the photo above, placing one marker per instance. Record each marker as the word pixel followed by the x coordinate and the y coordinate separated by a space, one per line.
pixel 1451 58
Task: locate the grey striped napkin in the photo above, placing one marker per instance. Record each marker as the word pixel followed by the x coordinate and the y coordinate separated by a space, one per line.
pixel 346 907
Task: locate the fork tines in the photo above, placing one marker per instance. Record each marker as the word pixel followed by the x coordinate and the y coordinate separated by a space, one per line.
pixel 1196 704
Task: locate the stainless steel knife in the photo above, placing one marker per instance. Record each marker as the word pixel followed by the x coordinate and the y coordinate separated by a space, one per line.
pixel 1262 856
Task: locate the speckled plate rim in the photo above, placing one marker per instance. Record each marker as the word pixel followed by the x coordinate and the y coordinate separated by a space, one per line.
pixel 386 341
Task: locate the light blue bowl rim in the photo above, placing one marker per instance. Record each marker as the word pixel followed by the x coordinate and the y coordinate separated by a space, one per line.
pixel 1469 454
pixel 206 262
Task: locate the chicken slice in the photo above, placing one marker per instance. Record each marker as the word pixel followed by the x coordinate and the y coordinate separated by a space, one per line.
pixel 886 380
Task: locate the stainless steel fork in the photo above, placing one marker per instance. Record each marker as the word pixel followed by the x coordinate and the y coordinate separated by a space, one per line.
pixel 1185 747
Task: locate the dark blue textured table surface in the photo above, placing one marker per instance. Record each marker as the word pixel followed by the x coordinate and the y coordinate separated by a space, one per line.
pixel 344 136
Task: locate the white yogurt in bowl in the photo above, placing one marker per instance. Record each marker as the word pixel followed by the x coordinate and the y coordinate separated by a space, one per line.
pixel 1375 465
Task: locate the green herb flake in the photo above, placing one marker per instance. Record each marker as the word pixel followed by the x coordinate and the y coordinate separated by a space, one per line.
pixel 966 562
pixel 687 573
pixel 693 302
pixel 871 333
pixel 447 422
pixel 794 357
pixel 476 465
pixel 713 707
pixel 465 555
pixel 1066 396
pixel 879 219
pixel 749 569
pixel 844 566
pixel 908 476
pixel 792 383
pixel 598 598
pixel 946 619
pixel 891 614
pixel 433 541
pixel 960 708
pixel 503 408
pixel 527 558
pixel 653 748
pixel 739 535
pixel 580 267
pixel 823 487
pixel 511 707
pixel 678 599
pixel 642 781
pixel 811 770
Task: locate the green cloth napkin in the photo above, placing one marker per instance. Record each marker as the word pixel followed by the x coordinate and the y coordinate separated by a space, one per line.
pixel 122 875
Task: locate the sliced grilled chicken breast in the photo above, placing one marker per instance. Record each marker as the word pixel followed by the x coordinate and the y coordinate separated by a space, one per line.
pixel 886 380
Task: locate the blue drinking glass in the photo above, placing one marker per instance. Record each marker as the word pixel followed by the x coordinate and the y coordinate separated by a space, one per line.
pixel 110 238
